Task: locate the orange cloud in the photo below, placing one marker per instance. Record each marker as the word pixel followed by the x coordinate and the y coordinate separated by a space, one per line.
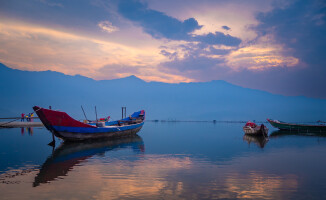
pixel 36 48
pixel 107 26
pixel 260 57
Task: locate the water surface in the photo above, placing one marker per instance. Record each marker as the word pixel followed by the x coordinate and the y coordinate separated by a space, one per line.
pixel 164 161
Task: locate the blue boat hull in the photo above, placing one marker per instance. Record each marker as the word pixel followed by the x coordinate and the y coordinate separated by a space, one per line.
pixel 82 133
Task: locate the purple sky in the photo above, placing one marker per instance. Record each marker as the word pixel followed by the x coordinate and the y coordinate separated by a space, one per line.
pixel 272 45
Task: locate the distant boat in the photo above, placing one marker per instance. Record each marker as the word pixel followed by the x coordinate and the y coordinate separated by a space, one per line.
pixel 253 129
pixel 298 127
pixel 65 127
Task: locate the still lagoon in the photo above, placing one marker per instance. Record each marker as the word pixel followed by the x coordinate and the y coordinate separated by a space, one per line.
pixel 165 160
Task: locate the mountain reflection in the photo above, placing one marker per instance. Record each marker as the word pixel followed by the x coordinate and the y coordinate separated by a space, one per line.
pixel 260 141
pixel 68 155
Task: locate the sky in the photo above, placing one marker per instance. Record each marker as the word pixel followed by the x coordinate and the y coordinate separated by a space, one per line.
pixel 272 45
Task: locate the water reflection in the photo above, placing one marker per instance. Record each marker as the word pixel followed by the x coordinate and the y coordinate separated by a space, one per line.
pixel 68 155
pixel 29 130
pixel 281 133
pixel 176 165
pixel 257 185
pixel 260 141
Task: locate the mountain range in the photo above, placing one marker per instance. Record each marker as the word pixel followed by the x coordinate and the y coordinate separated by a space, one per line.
pixel 214 100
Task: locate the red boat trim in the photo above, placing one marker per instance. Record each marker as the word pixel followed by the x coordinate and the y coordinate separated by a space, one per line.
pixel 57 118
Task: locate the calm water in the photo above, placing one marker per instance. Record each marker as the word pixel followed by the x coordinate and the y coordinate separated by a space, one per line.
pixel 165 161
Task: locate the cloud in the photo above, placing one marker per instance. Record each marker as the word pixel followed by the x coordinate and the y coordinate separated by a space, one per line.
pixel 144 72
pixel 79 16
pixel 219 51
pixel 264 54
pixel 196 62
pixel 218 38
pixel 49 3
pixel 38 48
pixel 284 42
pixel 212 15
pixel 107 26
pixel 194 49
pixel 301 25
pixel 159 25
pixel 226 28
pixel 156 23
pixel 192 63
pixel 168 54
pixel 119 70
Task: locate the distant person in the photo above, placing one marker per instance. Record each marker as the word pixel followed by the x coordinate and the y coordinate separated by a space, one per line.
pixel 23 117
pixel 32 115
pixel 50 107
pixel 27 117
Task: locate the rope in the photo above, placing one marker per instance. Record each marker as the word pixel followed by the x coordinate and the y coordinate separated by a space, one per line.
pixel 2 125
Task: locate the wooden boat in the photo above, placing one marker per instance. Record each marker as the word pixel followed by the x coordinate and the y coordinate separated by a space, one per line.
pixel 297 127
pixel 253 129
pixel 65 127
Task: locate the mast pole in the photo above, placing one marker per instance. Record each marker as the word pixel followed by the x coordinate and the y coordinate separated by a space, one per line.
pixel 96 113
pixel 84 112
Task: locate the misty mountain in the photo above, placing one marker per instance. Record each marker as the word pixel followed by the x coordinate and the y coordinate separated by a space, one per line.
pixel 219 100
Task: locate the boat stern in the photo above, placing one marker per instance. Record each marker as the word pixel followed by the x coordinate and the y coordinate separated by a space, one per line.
pixel 52 119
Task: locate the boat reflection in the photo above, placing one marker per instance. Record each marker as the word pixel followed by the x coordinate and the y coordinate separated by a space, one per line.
pixel 260 141
pixel 70 154
pixel 281 133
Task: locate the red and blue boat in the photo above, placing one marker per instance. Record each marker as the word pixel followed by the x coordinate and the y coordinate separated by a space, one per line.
pixel 65 127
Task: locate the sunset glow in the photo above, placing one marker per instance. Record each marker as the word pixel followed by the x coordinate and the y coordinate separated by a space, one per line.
pixel 158 41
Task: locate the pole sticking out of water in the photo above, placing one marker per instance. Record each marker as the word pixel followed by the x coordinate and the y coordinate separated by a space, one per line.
pixel 123 109
pixel 53 140
pixel 84 112
pixel 96 113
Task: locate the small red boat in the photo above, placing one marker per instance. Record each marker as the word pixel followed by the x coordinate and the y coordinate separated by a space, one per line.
pixel 65 127
pixel 252 128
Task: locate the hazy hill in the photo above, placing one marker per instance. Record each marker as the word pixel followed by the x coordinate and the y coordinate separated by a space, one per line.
pixel 20 90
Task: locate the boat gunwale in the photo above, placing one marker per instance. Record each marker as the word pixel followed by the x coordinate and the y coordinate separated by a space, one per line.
pixel 284 123
pixel 99 129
